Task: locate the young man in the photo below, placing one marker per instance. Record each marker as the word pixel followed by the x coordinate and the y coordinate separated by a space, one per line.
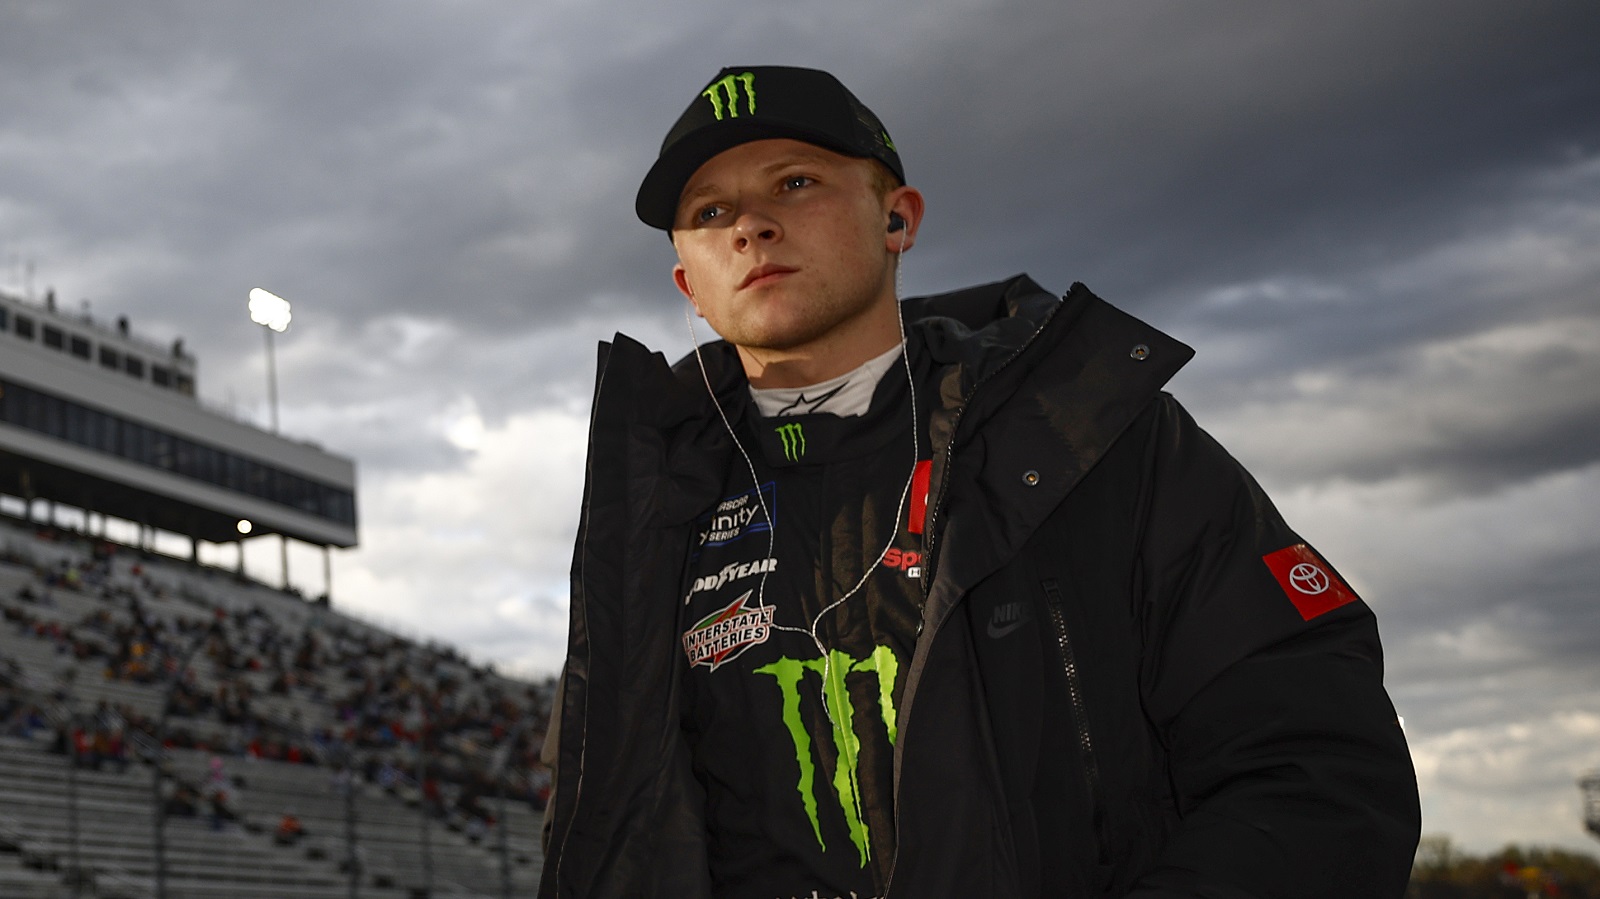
pixel 941 597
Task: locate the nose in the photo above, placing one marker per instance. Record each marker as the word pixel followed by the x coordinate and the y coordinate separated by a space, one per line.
pixel 754 226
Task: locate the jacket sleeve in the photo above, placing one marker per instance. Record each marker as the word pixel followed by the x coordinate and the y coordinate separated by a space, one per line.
pixel 1289 771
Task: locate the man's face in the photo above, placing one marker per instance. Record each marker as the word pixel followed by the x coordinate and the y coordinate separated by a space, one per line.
pixel 782 247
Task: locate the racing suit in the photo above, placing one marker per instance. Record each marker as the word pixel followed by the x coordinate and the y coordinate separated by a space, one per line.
pixel 1130 679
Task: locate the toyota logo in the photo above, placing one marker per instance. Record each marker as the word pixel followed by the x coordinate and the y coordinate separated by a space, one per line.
pixel 1308 578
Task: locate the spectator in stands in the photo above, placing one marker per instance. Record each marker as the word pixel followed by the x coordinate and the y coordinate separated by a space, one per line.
pixel 432 799
pixel 101 750
pixel 106 718
pixel 383 688
pixel 10 709
pixel 184 802
pixel 289 831
pixel 85 753
pixel 388 776
pixel 216 793
pixel 539 781
pixel 116 750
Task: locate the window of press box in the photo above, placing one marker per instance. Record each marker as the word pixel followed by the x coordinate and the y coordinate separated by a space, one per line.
pixel 110 358
pixel 134 366
pixel 161 376
pixel 108 433
pixel 4 314
pixel 53 337
pixel 24 327
pixel 78 346
pixel 183 384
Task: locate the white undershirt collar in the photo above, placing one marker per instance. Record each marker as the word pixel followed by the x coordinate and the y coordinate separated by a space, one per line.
pixel 847 394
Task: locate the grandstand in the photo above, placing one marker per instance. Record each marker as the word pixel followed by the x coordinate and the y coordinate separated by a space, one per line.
pixel 99 419
pixel 149 671
pixel 173 729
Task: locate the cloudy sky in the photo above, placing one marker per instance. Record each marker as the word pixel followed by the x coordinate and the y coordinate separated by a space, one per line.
pixel 1378 223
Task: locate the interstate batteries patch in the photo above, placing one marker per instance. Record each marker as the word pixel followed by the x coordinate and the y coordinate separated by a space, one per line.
pixel 725 634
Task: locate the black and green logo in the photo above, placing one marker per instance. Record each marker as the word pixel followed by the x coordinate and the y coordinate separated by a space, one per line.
pixel 728 86
pixel 834 671
pixel 794 440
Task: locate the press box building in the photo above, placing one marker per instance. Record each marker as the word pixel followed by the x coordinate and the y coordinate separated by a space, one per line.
pixel 96 418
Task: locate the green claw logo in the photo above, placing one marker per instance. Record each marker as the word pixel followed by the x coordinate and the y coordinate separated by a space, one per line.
pixel 794 440
pixel 729 85
pixel 790 674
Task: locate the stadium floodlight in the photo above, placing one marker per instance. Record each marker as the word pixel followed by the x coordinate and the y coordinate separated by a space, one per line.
pixel 267 308
pixel 245 526
pixel 271 312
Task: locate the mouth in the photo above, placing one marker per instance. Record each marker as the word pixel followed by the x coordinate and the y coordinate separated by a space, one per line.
pixel 764 274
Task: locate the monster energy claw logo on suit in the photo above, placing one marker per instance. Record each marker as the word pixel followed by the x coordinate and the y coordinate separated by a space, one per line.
pixel 790 675
pixel 794 440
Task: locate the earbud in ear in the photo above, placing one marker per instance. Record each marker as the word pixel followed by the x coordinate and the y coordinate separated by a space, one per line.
pixel 896 223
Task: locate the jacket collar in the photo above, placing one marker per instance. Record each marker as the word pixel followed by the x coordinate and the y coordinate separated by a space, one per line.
pixel 1029 402
pixel 1080 368
pixel 976 328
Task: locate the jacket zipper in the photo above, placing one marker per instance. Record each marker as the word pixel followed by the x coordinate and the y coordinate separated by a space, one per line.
pixel 932 528
pixel 1080 710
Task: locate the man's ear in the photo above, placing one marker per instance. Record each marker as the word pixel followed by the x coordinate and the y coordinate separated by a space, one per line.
pixel 680 279
pixel 907 203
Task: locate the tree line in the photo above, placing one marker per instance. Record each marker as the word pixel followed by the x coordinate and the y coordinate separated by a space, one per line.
pixel 1443 871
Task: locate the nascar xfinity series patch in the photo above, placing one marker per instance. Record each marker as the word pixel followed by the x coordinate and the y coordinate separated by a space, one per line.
pixel 725 634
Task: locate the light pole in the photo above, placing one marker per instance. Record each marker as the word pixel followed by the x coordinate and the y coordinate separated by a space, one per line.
pixel 271 312
pixel 1590 784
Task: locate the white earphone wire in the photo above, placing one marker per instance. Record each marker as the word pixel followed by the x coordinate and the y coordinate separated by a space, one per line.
pixel 772 527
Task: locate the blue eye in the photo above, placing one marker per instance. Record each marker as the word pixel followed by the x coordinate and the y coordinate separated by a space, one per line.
pixel 706 215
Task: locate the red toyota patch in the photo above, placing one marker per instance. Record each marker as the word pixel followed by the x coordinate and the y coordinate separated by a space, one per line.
pixel 919 496
pixel 1308 581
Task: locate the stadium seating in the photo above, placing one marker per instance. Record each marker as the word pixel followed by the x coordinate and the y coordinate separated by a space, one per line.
pixel 282 693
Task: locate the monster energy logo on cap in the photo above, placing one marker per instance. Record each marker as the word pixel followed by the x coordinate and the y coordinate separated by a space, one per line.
pixel 790 675
pixel 794 440
pixel 729 85
pixel 799 104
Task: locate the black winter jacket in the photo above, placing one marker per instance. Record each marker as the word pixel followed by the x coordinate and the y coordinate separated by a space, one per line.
pixel 1115 691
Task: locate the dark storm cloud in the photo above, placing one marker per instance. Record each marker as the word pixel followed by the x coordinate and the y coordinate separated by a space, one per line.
pixel 462 163
pixel 415 164
pixel 1471 405
pixel 1174 141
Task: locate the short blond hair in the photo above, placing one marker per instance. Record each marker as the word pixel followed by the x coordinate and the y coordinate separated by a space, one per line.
pixel 883 181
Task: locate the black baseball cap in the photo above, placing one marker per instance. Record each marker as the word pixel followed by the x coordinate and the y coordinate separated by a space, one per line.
pixel 748 103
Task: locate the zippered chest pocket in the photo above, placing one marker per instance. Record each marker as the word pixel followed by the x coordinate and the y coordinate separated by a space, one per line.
pixel 1055 605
